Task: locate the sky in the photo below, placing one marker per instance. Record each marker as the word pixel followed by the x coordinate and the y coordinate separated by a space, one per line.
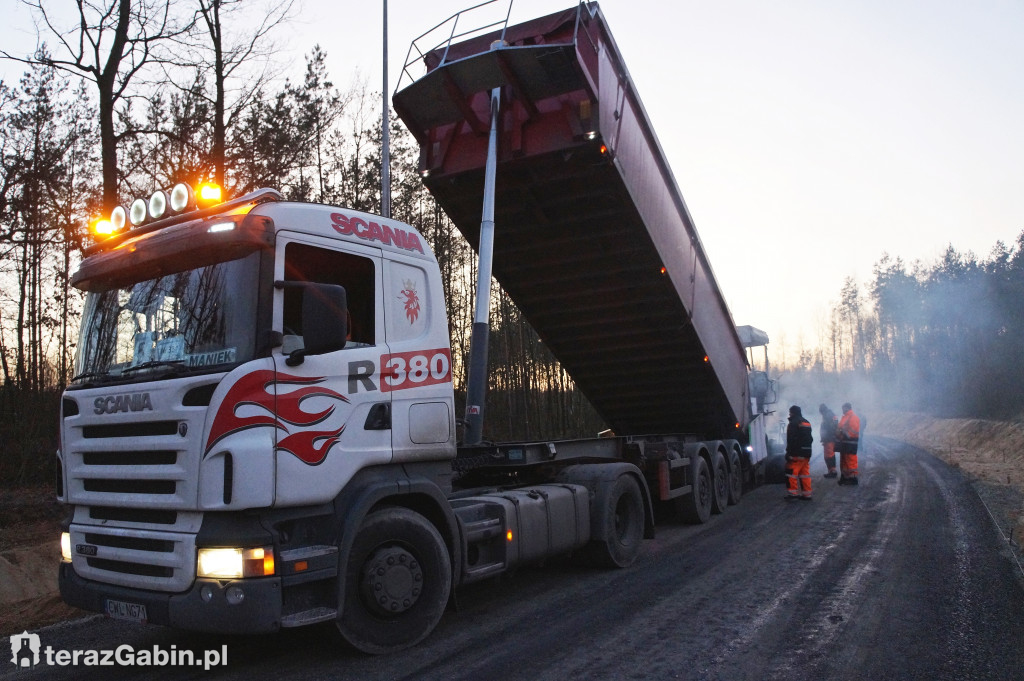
pixel 808 138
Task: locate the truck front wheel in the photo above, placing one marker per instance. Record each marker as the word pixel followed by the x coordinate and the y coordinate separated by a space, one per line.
pixel 397 581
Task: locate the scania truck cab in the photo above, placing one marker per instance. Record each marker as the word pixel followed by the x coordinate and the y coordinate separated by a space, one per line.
pixel 257 354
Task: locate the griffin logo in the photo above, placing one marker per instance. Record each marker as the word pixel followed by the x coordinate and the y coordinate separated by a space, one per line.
pixel 410 299
pixel 256 389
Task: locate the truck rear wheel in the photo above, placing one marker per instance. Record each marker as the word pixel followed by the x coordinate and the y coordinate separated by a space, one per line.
pixel 397 582
pixel 621 512
pixel 720 480
pixel 695 508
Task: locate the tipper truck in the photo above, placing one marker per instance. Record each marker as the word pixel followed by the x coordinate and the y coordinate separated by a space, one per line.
pixel 262 432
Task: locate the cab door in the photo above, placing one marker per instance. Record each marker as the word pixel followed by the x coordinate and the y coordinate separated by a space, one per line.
pixel 332 417
pixel 417 372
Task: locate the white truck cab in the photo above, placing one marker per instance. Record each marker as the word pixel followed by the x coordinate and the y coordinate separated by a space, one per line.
pixel 238 367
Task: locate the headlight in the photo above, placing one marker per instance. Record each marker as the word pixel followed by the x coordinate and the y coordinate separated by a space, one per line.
pixel 234 563
pixel 65 547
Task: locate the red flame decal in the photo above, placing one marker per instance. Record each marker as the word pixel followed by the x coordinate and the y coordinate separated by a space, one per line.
pixel 255 390
pixel 303 445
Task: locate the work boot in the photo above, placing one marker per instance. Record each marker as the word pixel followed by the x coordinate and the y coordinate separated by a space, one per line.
pixel 853 481
pixel 806 499
pixel 790 497
pixel 842 481
pixel 831 474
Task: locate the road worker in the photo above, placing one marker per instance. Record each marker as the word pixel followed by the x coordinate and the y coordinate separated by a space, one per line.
pixel 829 427
pixel 799 440
pixel 847 439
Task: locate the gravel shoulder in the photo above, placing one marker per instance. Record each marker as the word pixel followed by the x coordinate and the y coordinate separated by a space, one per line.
pixel 989 453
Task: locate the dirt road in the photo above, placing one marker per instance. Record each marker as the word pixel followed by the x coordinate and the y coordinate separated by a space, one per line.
pixel 903 577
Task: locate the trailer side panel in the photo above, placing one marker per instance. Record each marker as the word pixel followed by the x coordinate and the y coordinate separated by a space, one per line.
pixel 593 240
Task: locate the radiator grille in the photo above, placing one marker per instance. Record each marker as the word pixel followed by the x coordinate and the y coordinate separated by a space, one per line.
pixel 146 465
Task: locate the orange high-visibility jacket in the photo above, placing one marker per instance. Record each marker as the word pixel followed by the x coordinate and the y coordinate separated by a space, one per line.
pixel 849 426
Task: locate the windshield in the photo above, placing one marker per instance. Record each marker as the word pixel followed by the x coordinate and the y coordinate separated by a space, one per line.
pixel 186 321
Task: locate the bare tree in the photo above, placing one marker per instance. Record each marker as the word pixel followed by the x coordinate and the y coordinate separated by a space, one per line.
pixel 229 54
pixel 109 44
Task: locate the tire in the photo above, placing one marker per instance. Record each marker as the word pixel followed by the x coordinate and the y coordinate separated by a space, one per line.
pixel 621 513
pixel 398 579
pixel 720 482
pixel 696 507
pixel 735 477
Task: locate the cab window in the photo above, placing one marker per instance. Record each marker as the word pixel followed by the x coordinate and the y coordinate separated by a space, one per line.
pixel 303 262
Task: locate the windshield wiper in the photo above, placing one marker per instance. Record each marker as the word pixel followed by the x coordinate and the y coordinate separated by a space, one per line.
pixel 177 364
pixel 90 374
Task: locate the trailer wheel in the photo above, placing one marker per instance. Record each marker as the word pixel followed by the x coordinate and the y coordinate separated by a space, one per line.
pixel 720 481
pixel 622 516
pixel 735 477
pixel 695 508
pixel 398 579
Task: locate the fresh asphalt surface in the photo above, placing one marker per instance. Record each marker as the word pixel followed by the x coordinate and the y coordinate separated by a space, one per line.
pixel 902 577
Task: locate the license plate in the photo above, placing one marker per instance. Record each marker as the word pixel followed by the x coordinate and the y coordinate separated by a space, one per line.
pixel 122 610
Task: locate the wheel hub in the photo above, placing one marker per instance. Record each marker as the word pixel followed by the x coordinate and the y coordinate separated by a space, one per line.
pixel 392 580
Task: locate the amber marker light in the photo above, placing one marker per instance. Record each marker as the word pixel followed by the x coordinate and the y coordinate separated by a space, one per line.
pixel 209 193
pixel 508 535
pixel 102 228
pixel 268 562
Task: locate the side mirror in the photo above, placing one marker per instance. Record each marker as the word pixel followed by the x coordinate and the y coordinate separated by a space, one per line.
pixel 324 318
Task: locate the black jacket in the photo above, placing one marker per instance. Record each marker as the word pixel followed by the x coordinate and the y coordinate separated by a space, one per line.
pixel 829 426
pixel 799 438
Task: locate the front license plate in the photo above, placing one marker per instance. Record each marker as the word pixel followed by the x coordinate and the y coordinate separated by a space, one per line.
pixel 122 610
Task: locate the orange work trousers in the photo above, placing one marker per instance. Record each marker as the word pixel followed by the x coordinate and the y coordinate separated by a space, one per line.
pixel 830 455
pixel 798 477
pixel 848 465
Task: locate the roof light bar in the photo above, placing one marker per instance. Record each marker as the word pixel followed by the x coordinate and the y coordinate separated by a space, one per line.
pixel 118 218
pixel 181 197
pixel 161 204
pixel 137 212
pixel 157 205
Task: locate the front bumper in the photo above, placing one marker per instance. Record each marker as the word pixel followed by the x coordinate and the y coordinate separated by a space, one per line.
pixel 257 611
